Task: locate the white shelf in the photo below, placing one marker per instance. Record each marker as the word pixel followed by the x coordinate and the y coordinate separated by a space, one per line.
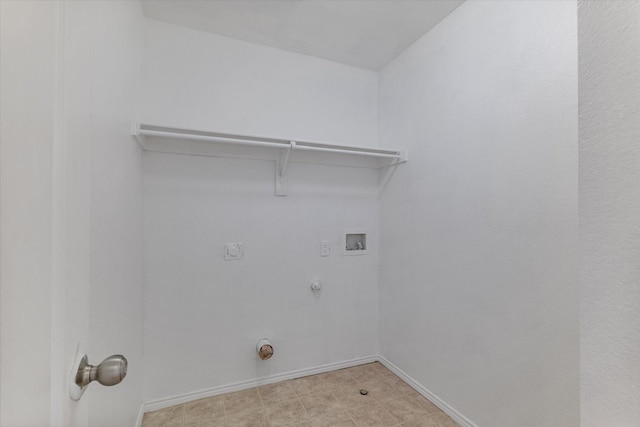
pixel 205 143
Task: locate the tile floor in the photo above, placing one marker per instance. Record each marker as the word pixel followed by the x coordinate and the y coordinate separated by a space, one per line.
pixel 331 399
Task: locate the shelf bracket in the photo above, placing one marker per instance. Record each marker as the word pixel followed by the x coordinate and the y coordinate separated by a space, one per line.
pixel 140 139
pixel 389 171
pixel 282 185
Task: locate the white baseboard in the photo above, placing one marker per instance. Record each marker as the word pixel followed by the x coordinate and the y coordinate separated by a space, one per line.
pixel 140 415
pixel 446 408
pixel 156 404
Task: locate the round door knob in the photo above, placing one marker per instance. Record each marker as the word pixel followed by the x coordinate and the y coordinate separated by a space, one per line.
pixel 110 372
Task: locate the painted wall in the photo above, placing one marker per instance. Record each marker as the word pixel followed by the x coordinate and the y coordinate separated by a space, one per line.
pixel 204 315
pixel 479 239
pixel 213 311
pixel 202 81
pixel 27 115
pixel 609 52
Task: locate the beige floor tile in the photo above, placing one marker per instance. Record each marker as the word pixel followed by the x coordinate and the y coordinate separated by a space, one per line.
pixel 378 389
pixel 430 407
pixel 318 404
pixel 168 417
pixel 334 379
pixel 372 415
pixel 444 419
pixel 286 413
pixel 301 385
pixel 365 372
pixel 331 399
pixel 393 379
pixel 277 392
pixel 433 420
pixel 342 377
pixel 248 418
pixel 403 387
pixel 381 368
pixel 339 419
pixel 203 410
pixel 220 422
pixel 404 408
pixel 427 422
pixel 242 401
pixel 350 397
pixel 316 384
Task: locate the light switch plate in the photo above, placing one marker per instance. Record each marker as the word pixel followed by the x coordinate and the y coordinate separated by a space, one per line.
pixel 325 248
pixel 233 251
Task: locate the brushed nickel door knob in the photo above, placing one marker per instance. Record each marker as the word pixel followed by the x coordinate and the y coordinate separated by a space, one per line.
pixel 110 371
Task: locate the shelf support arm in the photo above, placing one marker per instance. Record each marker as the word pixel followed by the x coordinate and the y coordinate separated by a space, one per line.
pixel 285 158
pixel 140 139
pixel 281 170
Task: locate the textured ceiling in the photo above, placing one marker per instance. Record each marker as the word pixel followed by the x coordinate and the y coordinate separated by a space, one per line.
pixel 364 33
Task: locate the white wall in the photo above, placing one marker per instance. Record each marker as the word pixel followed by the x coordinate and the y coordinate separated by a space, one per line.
pixel 609 52
pixel 27 114
pixel 202 81
pixel 478 295
pixel 479 244
pixel 203 316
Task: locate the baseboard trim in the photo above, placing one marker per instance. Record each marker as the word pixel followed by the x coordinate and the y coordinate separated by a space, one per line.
pixel 446 408
pixel 140 415
pixel 156 404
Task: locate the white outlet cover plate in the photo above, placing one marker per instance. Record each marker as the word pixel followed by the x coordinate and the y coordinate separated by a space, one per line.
pixel 325 248
pixel 233 251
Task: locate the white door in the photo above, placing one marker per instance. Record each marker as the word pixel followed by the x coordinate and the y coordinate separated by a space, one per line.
pixel 70 209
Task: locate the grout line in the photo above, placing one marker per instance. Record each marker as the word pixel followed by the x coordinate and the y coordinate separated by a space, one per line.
pixel 387 412
pixel 264 409
pixel 259 396
pixel 224 413
pixel 307 417
pixel 354 421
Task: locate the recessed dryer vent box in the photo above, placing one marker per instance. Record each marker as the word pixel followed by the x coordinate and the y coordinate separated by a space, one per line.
pixel 355 243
